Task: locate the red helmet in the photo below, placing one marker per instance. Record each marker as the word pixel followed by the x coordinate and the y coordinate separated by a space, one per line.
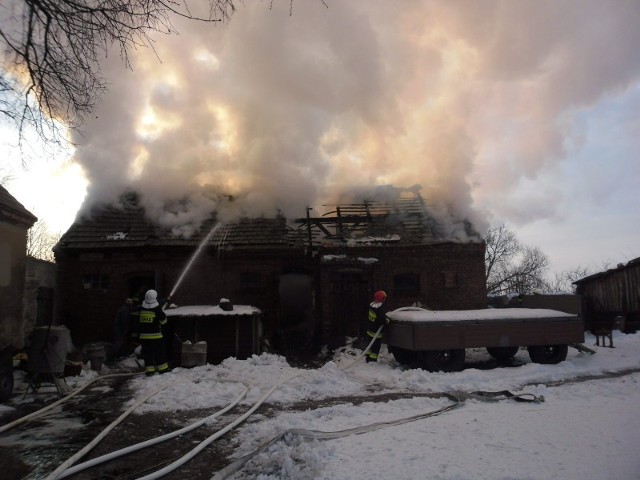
pixel 380 296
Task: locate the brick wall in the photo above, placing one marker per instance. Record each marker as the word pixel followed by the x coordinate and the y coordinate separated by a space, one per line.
pixel 450 276
pixel 89 312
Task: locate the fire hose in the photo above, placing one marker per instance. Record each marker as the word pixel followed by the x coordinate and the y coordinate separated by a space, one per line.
pixel 323 435
pixel 63 470
pixel 44 410
pixel 74 458
pixel 147 443
pixel 192 453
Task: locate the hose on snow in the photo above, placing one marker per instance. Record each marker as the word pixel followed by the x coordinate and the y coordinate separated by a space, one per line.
pixel 44 410
pixel 79 454
pixel 323 435
pixel 192 453
pixel 365 351
pixel 153 441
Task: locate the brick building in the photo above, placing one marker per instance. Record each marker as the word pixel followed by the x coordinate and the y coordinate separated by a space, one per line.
pixel 312 278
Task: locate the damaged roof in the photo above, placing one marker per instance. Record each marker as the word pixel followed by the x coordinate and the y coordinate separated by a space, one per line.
pixel 401 219
pixel 126 226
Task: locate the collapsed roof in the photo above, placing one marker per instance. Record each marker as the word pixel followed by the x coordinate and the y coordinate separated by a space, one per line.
pixel 403 219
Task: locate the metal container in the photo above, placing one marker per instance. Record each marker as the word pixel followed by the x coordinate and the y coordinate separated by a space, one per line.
pixel 193 354
pixel 96 354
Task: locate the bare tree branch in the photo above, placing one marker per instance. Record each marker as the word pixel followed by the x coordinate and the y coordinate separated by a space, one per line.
pixel 512 267
pixel 40 241
pixel 50 52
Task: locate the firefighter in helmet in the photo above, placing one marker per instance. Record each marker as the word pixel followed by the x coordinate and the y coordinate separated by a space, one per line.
pixel 377 318
pixel 151 323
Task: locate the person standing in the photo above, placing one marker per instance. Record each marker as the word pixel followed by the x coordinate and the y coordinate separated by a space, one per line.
pixel 122 330
pixel 377 318
pixel 151 322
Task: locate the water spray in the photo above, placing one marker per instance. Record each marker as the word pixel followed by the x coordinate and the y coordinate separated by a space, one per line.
pixel 193 258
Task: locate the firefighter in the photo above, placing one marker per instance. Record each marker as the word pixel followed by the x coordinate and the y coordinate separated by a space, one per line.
pixel 152 319
pixel 377 318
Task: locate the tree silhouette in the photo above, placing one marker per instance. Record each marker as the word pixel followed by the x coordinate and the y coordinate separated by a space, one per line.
pixel 51 49
pixel 512 267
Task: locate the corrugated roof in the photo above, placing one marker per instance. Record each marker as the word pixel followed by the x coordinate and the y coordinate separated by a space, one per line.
pixel 621 267
pixel 12 211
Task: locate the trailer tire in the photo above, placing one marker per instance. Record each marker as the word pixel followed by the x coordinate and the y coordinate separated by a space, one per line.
pixel 402 355
pixel 443 360
pixel 503 354
pixel 548 354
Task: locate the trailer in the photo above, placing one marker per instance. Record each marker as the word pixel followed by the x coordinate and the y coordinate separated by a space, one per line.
pixel 436 340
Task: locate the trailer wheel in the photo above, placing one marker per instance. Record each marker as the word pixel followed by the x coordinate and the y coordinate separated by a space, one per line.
pixel 403 356
pixel 6 384
pixel 548 354
pixel 503 354
pixel 443 360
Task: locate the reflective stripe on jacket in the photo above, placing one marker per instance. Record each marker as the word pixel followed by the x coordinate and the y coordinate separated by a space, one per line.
pixel 377 317
pixel 150 323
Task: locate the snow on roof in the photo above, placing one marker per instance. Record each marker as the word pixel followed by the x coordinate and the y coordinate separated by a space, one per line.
pixel 416 314
pixel 343 258
pixel 379 239
pixel 117 236
pixel 206 310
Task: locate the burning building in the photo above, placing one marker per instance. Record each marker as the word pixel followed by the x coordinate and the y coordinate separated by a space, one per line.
pixel 311 278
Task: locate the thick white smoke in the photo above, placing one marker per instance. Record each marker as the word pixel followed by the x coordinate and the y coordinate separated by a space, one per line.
pixel 470 99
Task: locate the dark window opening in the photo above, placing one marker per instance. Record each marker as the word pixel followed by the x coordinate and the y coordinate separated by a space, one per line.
pixel 406 284
pixel 95 282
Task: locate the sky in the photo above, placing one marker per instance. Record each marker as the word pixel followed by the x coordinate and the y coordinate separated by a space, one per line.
pixel 586 427
pixel 521 113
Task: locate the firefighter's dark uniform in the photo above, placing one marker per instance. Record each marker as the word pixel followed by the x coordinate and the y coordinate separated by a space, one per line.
pixel 154 353
pixel 377 317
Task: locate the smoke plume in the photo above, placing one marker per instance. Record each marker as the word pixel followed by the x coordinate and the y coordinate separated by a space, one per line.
pixel 472 100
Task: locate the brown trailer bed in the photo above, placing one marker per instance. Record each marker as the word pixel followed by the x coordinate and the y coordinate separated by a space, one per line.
pixel 436 340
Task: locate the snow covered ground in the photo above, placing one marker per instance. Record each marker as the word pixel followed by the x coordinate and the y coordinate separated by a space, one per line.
pixel 588 426
pixel 583 430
